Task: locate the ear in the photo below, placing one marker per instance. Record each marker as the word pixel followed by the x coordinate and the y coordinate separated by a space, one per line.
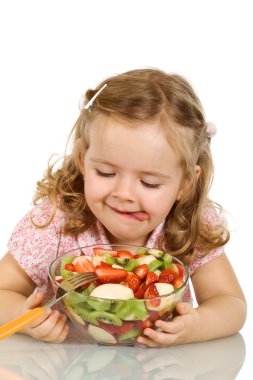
pixel 197 170
pixel 186 183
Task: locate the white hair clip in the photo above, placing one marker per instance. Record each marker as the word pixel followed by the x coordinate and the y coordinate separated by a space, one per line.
pixel 90 102
pixel 211 130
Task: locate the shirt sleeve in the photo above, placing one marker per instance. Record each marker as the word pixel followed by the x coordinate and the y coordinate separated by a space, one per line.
pixel 211 218
pixel 35 246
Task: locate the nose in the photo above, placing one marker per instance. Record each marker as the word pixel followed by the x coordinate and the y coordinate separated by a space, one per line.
pixel 124 189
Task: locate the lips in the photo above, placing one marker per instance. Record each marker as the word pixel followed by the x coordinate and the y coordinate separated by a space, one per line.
pixel 137 215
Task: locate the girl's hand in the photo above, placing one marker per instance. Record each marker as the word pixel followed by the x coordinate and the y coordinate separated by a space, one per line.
pixel 177 331
pixel 51 327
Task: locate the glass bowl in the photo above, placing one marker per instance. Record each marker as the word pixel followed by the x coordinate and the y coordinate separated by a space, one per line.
pixel 135 286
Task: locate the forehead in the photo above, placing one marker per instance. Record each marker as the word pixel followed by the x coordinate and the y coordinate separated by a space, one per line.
pixel 134 142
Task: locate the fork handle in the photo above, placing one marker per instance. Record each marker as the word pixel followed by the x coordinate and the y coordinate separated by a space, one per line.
pixel 20 322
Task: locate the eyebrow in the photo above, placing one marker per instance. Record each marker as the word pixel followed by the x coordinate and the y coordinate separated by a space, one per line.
pixel 145 172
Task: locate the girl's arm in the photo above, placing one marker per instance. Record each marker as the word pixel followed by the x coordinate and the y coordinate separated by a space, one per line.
pixel 15 287
pixel 222 305
pixel 17 296
pixel 221 311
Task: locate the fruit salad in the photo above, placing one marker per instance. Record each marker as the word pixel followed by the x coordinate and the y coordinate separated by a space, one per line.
pixel 131 292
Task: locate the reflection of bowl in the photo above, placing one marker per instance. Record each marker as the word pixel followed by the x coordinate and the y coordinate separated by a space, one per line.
pixel 135 287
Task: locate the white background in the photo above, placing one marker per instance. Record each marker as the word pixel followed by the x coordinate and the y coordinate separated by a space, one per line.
pixel 53 50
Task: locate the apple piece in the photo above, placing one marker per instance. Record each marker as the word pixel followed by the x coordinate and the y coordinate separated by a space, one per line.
pixel 145 259
pixel 77 259
pixel 175 268
pixel 96 260
pixel 101 335
pixel 116 266
pixel 165 302
pixel 112 291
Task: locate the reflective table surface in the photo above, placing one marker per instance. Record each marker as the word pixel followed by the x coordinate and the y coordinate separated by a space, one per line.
pixel 21 357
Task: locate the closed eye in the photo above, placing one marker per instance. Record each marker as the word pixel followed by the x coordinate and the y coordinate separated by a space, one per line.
pixel 104 174
pixel 150 185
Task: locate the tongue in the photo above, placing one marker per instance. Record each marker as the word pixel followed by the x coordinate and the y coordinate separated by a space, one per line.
pixel 140 215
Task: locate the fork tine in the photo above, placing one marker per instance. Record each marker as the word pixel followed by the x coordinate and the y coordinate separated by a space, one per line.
pixel 81 275
pixel 82 278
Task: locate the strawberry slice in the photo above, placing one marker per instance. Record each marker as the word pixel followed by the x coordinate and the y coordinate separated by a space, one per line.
pixel 139 293
pixel 141 271
pixel 100 251
pixel 141 325
pixel 104 264
pixel 178 282
pixel 151 278
pixel 168 275
pixel 133 281
pixel 113 329
pixel 152 292
pixel 180 270
pixel 125 255
pixel 69 267
pixel 83 264
pixel 107 275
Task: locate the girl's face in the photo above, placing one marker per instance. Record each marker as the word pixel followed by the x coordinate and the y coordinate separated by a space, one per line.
pixel 132 177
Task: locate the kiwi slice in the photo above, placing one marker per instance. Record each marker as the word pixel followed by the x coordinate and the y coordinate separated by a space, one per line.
pixel 108 258
pixel 130 265
pixel 155 264
pixel 99 305
pixel 131 310
pixel 130 334
pixel 122 260
pixel 64 272
pixel 155 252
pixel 167 257
pixel 73 298
pixel 142 251
pixel 105 317
pixel 86 314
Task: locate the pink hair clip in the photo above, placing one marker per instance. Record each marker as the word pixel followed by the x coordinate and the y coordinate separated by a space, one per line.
pixel 211 130
pixel 88 105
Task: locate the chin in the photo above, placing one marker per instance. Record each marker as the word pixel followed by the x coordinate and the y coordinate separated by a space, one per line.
pixel 123 237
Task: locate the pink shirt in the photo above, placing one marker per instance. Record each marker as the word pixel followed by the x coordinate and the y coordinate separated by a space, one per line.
pixel 35 248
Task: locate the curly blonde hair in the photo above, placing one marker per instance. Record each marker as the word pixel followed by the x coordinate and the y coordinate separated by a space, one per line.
pixel 145 95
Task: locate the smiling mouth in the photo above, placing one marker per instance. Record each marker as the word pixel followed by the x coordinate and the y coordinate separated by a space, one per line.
pixel 136 215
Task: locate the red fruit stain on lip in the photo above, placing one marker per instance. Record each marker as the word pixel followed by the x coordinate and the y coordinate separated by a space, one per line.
pixel 137 215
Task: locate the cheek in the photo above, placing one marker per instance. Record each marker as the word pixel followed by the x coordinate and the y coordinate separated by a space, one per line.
pixel 93 189
pixel 160 204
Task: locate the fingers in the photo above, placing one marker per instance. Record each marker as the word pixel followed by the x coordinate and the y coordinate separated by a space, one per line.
pixel 169 332
pixel 167 336
pixel 34 300
pixel 173 327
pixel 53 329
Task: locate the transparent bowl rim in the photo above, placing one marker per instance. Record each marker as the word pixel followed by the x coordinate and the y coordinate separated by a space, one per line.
pixel 102 245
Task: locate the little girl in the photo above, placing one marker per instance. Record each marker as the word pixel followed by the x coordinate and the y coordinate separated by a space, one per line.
pixel 139 173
